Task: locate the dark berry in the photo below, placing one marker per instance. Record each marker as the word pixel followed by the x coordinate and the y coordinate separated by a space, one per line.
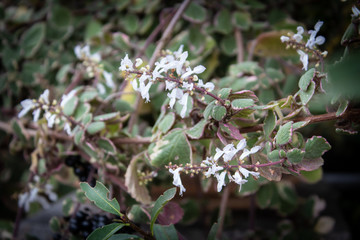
pixel 79 171
pixel 80 215
pixel 92 182
pixel 86 225
pixel 73 228
pixel 85 234
pixel 83 178
pixel 72 160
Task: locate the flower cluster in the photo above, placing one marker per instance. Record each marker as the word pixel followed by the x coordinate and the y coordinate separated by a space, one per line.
pixel 25 199
pixel 91 62
pixel 52 111
pixel 313 40
pixel 180 79
pixel 212 166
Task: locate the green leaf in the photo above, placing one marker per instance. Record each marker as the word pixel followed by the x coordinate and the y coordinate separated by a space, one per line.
pixel 67 206
pixel 313 176
pixel 98 195
pixel 342 107
pixel 105 232
pixel 167 122
pixel 165 232
pixel 295 155
pixel 228 45
pixel 298 125
pixel 159 205
pixel 95 127
pixel 264 195
pixel 60 17
pixel 223 21
pixel 316 147
pixel 88 95
pixel 197 131
pixel 269 123
pixel 239 104
pixel 81 110
pixel 32 39
pixel 208 110
pixel 195 13
pixel 242 20
pixel 19 130
pixel 130 23
pixel 305 79
pixel 284 134
pixel 245 67
pixel 107 116
pixel 305 96
pixel 79 137
pixel 213 232
pixel 224 93
pixel 70 106
pixel 122 106
pixel 55 224
pixel 274 155
pixel 106 144
pixel 174 147
pixel 218 112
pixel 92 29
pixel 124 236
pixel 90 150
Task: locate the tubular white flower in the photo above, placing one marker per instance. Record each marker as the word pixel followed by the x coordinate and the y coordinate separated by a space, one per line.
pixel 36 114
pixel 188 86
pixel 126 64
pixel 304 58
pixel 138 62
pixel 67 128
pixel 169 85
pixel 27 105
pixel 44 97
pixel 179 51
pixel 101 88
pixel 183 101
pixel 84 52
pixel 108 79
pixel 50 118
pixel 177 180
pixel 209 86
pixel 197 70
pixel 247 152
pixel 176 93
pixel 355 11
pixel 246 172
pixel 221 180
pixel 284 39
pixel 181 62
pixel 238 179
pixel 313 40
pixel 298 36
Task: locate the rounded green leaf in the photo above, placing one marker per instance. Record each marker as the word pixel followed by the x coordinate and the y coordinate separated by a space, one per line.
pixel 284 134
pixel 295 155
pixel 70 106
pixel 106 144
pixel 242 20
pixel 105 232
pixel 218 112
pixel 316 147
pixel 195 13
pixel 95 127
pixel 107 116
pixel 197 131
pixel 167 122
pixel 305 79
pixel 60 17
pixel 223 21
pixel 239 104
pixel 228 45
pixel 269 123
pixel 130 23
pixel 32 39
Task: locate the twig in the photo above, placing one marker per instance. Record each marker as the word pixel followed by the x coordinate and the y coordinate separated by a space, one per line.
pixel 223 205
pixel 239 45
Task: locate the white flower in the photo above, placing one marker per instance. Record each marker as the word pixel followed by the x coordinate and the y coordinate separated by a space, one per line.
pixel 144 90
pixel 355 11
pixel 246 172
pixel 298 36
pixel 66 97
pixel 209 86
pixel 284 39
pixel 179 51
pixel 221 180
pixel 229 151
pixel 36 114
pixel 304 58
pixel 176 93
pixel 44 97
pixel 67 128
pixel 183 101
pixel 177 180
pixel 101 88
pixel 50 118
pixel 246 152
pixel 169 85
pixel 126 64
pixel 213 166
pixel 188 86
pixel 180 63
pixel 25 199
pixel 108 79
pixel 313 40
pixel 197 70
pixel 238 179
pixel 138 62
pixel 27 105
pixel 84 52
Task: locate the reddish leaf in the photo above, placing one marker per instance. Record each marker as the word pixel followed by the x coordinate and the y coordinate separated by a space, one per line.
pixel 172 213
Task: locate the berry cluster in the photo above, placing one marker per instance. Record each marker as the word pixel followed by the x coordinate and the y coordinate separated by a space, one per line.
pixel 81 169
pixel 82 224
